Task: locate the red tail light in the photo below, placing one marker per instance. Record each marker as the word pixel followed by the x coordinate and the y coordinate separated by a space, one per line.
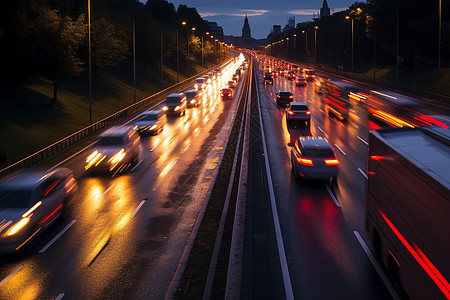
pixel 291 96
pixel 290 112
pixel 304 161
pixel 331 162
pixel 308 112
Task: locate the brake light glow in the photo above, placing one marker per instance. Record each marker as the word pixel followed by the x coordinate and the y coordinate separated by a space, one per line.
pixel 308 112
pixel 331 162
pixel 377 157
pixel 290 112
pixel 304 161
pixel 291 96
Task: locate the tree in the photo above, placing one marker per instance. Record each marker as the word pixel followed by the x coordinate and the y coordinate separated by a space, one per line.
pixel 50 42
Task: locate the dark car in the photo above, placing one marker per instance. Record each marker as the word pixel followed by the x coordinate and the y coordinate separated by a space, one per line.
pixel 284 97
pixel 298 112
pixel 30 202
pixel 314 158
pixel 175 104
pixel 194 97
pixel 226 93
pixel 231 84
pixel 151 122
pixel 268 78
pixel 300 81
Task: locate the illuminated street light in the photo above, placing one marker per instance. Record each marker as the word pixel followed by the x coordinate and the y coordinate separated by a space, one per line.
pixel 348 17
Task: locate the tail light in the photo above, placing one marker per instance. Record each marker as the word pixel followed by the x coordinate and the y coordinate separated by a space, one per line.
pixel 331 162
pixel 308 112
pixel 290 112
pixel 304 161
pixel 291 96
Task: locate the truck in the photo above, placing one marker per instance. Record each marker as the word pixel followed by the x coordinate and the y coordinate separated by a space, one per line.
pixel 408 208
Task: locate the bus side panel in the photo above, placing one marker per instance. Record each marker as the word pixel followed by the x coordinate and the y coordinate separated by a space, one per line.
pixel 409 214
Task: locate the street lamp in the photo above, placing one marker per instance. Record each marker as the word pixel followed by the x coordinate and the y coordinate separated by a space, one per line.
pixel 295 47
pixel 315 43
pixel 348 17
pixel 287 48
pixel 306 45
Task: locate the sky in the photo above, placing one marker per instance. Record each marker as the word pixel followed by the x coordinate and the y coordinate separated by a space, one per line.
pixel 262 14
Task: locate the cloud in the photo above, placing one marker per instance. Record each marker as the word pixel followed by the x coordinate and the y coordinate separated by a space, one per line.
pixel 303 12
pixel 239 13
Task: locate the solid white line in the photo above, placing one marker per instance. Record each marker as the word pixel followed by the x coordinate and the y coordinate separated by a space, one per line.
pixel 334 121
pixel 340 149
pixel 186 148
pixel 107 190
pixel 376 265
pixel 60 296
pixel 198 133
pixel 359 138
pixel 281 252
pixel 137 208
pixel 57 236
pixel 10 275
pixel 362 172
pixel 320 129
pixel 332 195
pixel 137 165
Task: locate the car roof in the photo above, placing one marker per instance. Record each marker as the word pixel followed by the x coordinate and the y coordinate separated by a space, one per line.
pixel 284 92
pixel 117 131
pixel 299 104
pixel 29 178
pixel 226 89
pixel 150 112
pixel 309 142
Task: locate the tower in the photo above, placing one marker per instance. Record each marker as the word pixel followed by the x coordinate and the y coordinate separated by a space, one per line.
pixel 325 10
pixel 246 34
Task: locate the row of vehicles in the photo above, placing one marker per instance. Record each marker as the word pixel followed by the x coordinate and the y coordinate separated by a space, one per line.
pixel 30 201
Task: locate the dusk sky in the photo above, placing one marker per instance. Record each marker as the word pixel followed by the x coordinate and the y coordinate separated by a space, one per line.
pixel 262 14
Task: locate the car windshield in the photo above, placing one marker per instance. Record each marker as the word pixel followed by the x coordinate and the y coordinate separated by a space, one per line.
pixel 173 100
pixel 149 117
pixel 284 93
pixel 110 141
pixel 15 198
pixel 299 107
pixel 190 95
pixel 318 153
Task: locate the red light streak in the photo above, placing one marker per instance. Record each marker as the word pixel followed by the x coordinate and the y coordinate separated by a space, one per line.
pixel 43 221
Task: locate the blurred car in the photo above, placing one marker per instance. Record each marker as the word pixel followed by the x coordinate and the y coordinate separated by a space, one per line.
pixel 300 81
pixel 30 201
pixel 290 75
pixel 150 122
pixel 310 75
pixel 268 78
pixel 208 80
pixel 200 83
pixel 314 158
pixel 226 93
pixel 175 104
pixel 298 112
pixel 320 86
pixel 116 149
pixel 284 97
pixel 193 97
pixel 231 84
pixel 235 77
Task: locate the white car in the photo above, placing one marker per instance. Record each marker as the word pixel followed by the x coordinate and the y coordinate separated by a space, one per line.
pixel 314 158
pixel 115 150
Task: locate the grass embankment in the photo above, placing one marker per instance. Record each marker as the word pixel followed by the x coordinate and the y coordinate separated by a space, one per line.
pixel 422 78
pixel 28 124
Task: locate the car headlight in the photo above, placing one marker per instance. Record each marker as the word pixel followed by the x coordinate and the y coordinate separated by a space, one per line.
pixel 118 157
pixel 165 108
pixel 94 159
pixel 177 108
pixel 18 226
pixel 153 127
pixel 192 101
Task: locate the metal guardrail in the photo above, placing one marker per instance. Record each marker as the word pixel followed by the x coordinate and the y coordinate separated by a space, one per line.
pixel 67 142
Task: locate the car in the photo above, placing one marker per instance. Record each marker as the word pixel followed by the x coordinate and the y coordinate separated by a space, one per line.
pixel 115 150
pixel 150 122
pixel 226 93
pixel 300 81
pixel 231 84
pixel 200 83
pixel 284 97
pixel 314 158
pixel 208 80
pixel 30 201
pixel 175 104
pixel 194 98
pixel 310 75
pixel 268 78
pixel 298 112
pixel 290 75
pixel 235 77
pixel 320 86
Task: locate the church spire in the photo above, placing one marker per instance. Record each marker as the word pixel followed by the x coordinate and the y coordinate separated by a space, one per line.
pixel 246 33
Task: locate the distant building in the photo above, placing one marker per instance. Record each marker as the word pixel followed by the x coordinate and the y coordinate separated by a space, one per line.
pixel 325 10
pixel 216 30
pixel 291 22
pixel 276 29
pixel 246 40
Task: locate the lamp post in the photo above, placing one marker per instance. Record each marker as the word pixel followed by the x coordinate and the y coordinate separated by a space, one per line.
pixel 90 62
pixel 295 47
pixel 315 43
pixel 440 29
pixel 306 45
pixel 287 48
pixel 348 17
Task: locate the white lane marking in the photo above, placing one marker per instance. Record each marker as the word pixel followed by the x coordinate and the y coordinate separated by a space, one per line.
pixel 137 165
pixel 57 236
pixel 362 172
pixel 376 265
pixel 186 148
pixel 107 190
pixel 281 252
pixel 10 275
pixel 332 195
pixel 60 296
pixel 137 208
pixel 359 138
pixel 151 150
pixel 320 129
pixel 198 133
pixel 340 149
pixel 332 119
